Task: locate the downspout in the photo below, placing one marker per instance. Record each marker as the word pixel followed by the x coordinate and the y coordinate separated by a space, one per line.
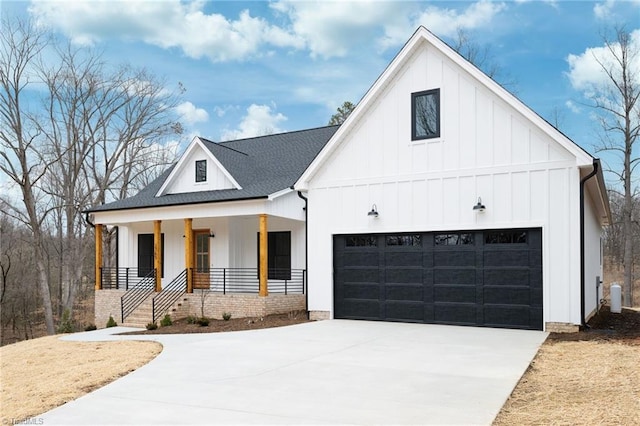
pixel 582 262
pixel 306 249
pixel 86 218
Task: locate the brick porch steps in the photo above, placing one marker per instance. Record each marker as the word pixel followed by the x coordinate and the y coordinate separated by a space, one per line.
pixel 143 314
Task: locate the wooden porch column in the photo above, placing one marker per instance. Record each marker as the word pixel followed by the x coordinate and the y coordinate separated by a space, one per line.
pixel 157 253
pixel 98 230
pixel 188 252
pixel 263 256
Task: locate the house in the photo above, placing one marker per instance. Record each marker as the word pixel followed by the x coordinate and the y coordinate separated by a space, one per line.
pixel 441 199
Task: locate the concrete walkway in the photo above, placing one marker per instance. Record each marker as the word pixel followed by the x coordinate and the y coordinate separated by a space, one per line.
pixel 326 372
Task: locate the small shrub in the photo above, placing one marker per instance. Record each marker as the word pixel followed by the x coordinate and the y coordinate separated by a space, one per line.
pixel 166 321
pixel 90 327
pixel 226 316
pixel 66 326
pixel 204 321
pixel 192 319
pixel 152 326
pixel 111 322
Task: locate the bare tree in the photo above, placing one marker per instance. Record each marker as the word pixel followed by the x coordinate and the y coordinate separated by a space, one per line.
pixel 619 116
pixel 481 56
pixel 85 137
pixel 99 128
pixel 20 157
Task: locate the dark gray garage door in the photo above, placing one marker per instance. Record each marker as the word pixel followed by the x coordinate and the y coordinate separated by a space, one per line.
pixel 487 278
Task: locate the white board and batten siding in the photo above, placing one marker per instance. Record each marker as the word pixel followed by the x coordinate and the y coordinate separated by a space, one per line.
pixel 182 179
pixel 487 148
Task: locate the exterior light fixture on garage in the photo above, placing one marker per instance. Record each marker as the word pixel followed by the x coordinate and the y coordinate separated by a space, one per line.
pixel 479 207
pixel 374 211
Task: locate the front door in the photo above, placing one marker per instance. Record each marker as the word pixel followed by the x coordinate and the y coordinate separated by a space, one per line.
pixel 201 261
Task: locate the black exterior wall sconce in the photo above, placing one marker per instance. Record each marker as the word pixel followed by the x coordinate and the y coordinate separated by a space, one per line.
pixel 374 211
pixel 479 207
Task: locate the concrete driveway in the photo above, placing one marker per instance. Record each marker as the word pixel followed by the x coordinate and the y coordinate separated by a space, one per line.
pixel 326 372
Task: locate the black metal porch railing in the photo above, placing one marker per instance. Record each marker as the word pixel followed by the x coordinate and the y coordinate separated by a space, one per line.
pixel 169 295
pixel 245 280
pixel 120 278
pixel 138 293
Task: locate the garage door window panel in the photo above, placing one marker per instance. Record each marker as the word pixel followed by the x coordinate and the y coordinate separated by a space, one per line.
pixel 506 237
pixel 361 241
pixel 453 239
pixel 403 240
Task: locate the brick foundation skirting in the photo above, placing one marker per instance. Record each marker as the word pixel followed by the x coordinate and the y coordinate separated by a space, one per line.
pixel 107 303
pixel 239 305
pixel 319 315
pixel 561 327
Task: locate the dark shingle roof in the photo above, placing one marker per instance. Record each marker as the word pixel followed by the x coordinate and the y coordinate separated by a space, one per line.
pixel 261 166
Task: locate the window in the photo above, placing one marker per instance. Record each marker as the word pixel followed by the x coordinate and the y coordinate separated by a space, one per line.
pixel 361 241
pixel 403 240
pixel 453 239
pixel 278 255
pixel 425 114
pixel 201 171
pixel 506 237
pixel 145 254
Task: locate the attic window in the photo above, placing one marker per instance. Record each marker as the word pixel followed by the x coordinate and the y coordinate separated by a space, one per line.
pixel 425 114
pixel 201 170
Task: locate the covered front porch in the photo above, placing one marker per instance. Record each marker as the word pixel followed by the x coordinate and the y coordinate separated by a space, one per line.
pixel 158 262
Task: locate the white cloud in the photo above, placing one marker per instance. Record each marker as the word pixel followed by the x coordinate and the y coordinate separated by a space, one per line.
pixel 603 10
pixel 190 114
pixel 584 70
pixel 445 22
pixel 221 111
pixel 336 28
pixel 326 29
pixel 260 120
pixel 572 107
pixel 167 24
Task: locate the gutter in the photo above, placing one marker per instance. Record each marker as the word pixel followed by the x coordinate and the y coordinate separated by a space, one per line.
pixel 86 219
pixel 583 181
pixel 306 249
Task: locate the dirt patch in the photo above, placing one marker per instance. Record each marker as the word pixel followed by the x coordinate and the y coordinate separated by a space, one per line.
pixel 183 326
pixel 584 378
pixel 40 374
pixel 606 326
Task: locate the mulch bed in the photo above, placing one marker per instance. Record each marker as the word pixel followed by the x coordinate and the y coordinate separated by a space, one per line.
pixel 606 326
pixel 181 326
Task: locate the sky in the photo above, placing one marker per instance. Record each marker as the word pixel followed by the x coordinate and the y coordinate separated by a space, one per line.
pixel 251 68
